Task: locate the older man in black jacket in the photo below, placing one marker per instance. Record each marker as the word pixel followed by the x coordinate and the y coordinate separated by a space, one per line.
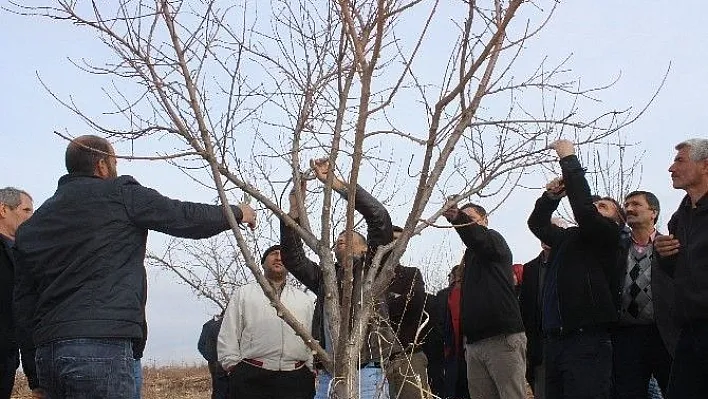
pixel 580 284
pixel 80 282
pixel 684 255
pixel 15 208
pixel 495 348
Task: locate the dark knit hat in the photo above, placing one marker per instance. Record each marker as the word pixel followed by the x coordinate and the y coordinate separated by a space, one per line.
pixel 268 251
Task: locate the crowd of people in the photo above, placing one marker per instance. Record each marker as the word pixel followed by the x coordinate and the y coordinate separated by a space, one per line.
pixel 611 307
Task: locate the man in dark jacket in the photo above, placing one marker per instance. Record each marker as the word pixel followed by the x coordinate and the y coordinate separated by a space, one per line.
pixel 684 255
pixel 379 232
pixel 578 291
pixel 207 348
pixel 645 334
pixel 79 284
pixel 15 208
pixel 495 347
pixel 530 297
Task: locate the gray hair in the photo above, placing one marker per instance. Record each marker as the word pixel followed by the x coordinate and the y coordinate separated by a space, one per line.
pixel 12 196
pixel 697 148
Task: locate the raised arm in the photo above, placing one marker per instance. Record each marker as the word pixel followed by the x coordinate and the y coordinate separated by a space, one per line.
pixel 293 254
pixel 378 221
pixel 591 223
pixel 540 219
pixel 484 241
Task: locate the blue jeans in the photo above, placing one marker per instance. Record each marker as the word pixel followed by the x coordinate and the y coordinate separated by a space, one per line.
pixel 86 368
pixel 579 366
pixel 371 380
pixel 138 373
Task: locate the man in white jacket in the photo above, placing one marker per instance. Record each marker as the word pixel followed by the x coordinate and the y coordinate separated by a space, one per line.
pixel 262 354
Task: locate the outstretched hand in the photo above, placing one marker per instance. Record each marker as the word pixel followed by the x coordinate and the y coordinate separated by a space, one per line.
pixel 555 189
pixel 249 216
pixel 563 148
pixel 451 213
pixel 321 168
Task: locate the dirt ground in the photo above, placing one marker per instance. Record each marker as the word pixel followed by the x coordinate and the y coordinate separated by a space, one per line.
pixel 184 382
pixel 174 382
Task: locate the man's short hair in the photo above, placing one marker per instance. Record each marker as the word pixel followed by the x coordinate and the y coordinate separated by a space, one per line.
pixel 12 196
pixel 84 152
pixel 697 148
pixel 477 208
pixel 267 252
pixel 650 198
pixel 620 211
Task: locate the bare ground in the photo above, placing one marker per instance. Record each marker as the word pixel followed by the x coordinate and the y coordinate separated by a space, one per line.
pixel 184 382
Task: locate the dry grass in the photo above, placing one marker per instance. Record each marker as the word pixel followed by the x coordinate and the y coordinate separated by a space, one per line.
pixel 185 382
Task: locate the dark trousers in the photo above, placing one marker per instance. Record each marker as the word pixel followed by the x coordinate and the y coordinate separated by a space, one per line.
pixel 219 386
pixel 251 382
pixel 8 367
pixel 638 353
pixel 87 369
pixel 578 365
pixel 689 372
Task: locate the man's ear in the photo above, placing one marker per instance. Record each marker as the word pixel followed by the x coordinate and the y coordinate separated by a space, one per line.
pixel 102 168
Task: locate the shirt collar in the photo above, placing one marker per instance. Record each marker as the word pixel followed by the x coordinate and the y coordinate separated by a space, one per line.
pixel 651 239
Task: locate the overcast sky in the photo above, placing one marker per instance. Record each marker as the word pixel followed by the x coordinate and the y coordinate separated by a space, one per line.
pixel 636 39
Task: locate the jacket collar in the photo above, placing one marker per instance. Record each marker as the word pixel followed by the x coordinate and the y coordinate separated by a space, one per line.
pixel 70 177
pixel 701 203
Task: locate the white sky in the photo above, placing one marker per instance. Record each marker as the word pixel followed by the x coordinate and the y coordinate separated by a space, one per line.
pixel 634 38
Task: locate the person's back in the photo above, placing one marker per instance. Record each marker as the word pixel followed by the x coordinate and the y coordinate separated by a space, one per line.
pixel 207 348
pixel 80 291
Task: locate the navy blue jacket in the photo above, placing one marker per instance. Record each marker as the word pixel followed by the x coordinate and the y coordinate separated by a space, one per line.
pixel 80 257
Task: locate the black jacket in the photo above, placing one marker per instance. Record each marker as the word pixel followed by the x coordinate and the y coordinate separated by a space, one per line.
pixel 8 344
pixel 489 303
pixel 586 255
pixel 690 266
pixel 80 257
pixel 8 333
pixel 530 303
pixel 406 302
pixel 207 346
pixel 309 273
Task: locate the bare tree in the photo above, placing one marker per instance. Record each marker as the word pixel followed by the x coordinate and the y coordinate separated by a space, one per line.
pixel 240 94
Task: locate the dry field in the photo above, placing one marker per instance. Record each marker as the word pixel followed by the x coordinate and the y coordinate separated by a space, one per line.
pixel 173 382
pixel 184 382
